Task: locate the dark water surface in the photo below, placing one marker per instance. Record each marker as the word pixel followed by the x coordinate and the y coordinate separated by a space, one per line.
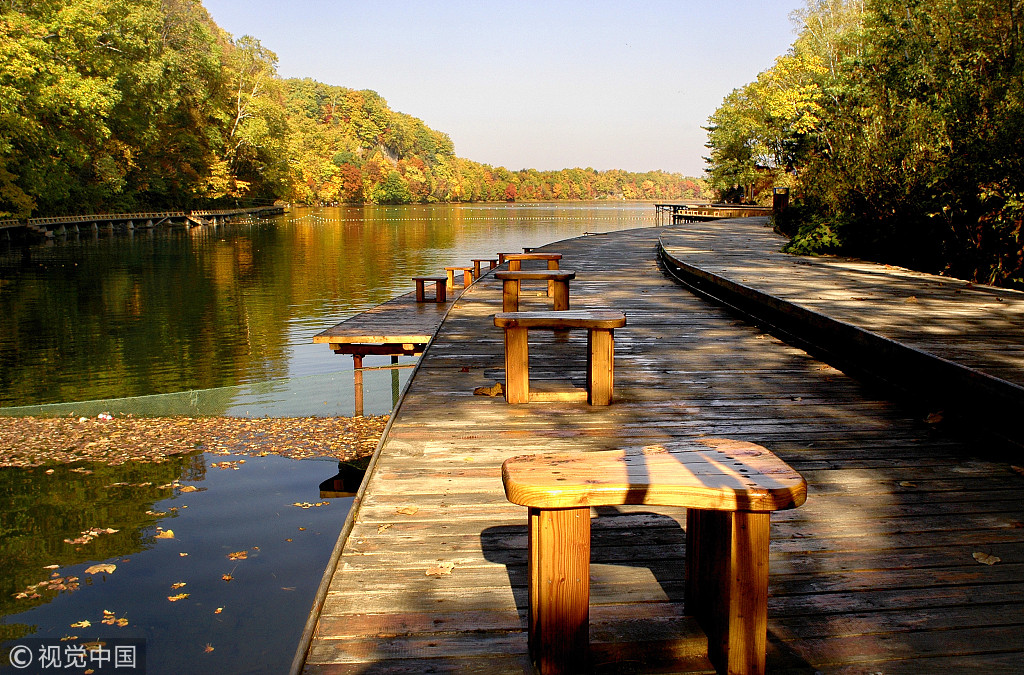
pixel 214 321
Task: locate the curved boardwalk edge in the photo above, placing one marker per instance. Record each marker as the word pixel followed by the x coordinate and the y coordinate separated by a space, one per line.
pixel 941 381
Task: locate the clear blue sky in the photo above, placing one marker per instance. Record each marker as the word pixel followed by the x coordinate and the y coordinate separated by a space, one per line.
pixel 550 84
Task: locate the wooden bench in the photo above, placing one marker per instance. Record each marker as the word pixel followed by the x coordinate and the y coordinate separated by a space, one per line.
pixel 515 262
pixel 511 284
pixel 600 325
pixel 467 276
pixel 729 488
pixel 440 284
pixel 491 262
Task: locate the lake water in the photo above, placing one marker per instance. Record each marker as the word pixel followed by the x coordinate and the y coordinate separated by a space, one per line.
pixel 231 311
pixel 208 321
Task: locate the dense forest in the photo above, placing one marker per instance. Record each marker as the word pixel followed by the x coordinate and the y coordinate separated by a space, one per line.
pixel 115 105
pixel 897 126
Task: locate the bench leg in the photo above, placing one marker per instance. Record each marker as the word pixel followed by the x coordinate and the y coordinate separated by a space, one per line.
pixel 510 295
pixel 517 366
pixel 559 580
pixel 476 269
pixel 727 586
pixel 515 265
pixel 561 297
pixel 467 277
pixel 419 290
pixel 440 292
pixel 552 265
pixel 451 280
pixel 600 366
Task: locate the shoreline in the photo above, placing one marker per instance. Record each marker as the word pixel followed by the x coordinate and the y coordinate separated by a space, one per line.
pixel 35 441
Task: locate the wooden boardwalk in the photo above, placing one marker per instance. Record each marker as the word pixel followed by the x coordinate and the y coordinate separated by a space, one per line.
pixel 953 343
pixel 877 572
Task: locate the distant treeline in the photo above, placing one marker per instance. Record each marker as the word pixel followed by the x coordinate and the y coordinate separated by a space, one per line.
pixel 898 126
pixel 116 105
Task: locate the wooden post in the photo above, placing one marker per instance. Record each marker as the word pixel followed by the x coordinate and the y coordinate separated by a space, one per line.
pixel 559 574
pixel 467 277
pixel 419 290
pixel 600 366
pixel 515 265
pixel 357 382
pixel 510 295
pixel 440 295
pixel 727 586
pixel 552 265
pixel 561 296
pixel 517 369
pixel 451 278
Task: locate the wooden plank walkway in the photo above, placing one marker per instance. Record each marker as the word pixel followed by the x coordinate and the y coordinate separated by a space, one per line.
pixel 958 344
pixel 877 572
pixel 399 326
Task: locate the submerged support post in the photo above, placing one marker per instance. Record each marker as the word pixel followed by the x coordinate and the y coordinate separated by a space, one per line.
pixel 357 382
pixel 394 381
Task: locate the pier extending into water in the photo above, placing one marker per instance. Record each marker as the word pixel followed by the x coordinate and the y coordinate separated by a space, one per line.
pixel 58 225
pixel 907 557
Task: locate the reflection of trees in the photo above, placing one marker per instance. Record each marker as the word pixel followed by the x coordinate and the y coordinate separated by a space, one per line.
pixel 38 511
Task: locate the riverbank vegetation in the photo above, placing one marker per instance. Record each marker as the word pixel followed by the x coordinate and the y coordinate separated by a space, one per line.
pixel 118 105
pixel 897 125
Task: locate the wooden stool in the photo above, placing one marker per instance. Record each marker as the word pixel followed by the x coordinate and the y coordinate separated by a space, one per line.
pixel 440 284
pixel 491 262
pixel 600 325
pixel 729 488
pixel 511 283
pixel 467 276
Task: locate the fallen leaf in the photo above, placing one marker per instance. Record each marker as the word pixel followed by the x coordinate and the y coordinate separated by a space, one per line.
pixel 101 569
pixel 166 534
pixel 183 554
pixel 907 483
pixel 1017 469
pixel 179 596
pixel 495 390
pixel 383 528
pixel 226 577
pixel 177 585
pixel 238 555
pixel 441 569
pixel 218 610
pixel 934 418
pixel 208 648
pixel 84 623
pixel 51 567
pixel 189 488
pixel 986 558
pixel 407 510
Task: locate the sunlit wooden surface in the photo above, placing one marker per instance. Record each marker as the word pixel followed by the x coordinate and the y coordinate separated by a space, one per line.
pixel 881 570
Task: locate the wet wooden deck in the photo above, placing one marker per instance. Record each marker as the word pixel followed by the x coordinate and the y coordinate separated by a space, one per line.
pixel 877 572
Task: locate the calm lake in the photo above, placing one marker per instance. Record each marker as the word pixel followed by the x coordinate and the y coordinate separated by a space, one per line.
pixel 210 321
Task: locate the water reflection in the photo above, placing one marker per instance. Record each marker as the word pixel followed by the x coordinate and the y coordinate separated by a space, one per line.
pixel 114 316
pixel 241 541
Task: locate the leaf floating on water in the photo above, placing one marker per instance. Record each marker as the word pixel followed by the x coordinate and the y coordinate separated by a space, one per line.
pixel 238 555
pixel 986 558
pixel 183 554
pixel 179 596
pixel 226 577
pixel 190 488
pixel 307 505
pixel 165 534
pixel 441 569
pixel 177 585
pixel 208 648
pixel 101 569
pixel 84 623
pixel 407 510
pixel 218 610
